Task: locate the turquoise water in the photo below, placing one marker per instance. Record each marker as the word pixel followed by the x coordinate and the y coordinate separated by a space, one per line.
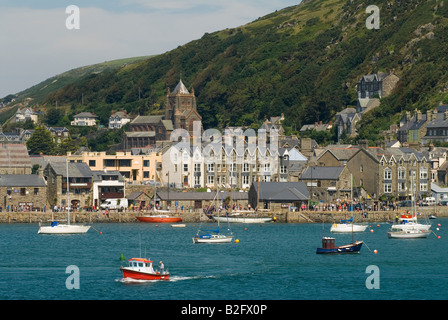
pixel 271 262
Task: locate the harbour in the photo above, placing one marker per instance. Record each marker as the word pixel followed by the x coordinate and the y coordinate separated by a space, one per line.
pixel 272 261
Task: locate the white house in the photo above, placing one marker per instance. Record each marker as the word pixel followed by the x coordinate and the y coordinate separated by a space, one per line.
pixel 84 119
pixel 118 120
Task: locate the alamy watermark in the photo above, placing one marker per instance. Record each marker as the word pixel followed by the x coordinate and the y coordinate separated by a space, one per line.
pixel 72 281
pixel 373 21
pixel 373 280
pixel 73 20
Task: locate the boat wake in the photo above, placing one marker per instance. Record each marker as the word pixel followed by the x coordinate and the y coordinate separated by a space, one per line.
pixel 171 279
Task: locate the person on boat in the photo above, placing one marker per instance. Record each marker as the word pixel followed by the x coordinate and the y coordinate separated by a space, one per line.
pixel 162 267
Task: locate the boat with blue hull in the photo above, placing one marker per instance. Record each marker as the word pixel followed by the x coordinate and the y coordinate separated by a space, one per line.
pixel 328 247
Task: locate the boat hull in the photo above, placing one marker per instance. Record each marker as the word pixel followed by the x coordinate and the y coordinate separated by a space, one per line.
pixel 349 248
pixel 212 239
pixel 414 234
pixel 138 275
pixel 347 228
pixel 63 229
pixel 243 219
pixel 158 219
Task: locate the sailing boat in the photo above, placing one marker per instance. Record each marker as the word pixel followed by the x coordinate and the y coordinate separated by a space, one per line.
pixel 347 226
pixel 328 245
pixel 162 216
pixel 408 226
pixel 57 228
pixel 212 236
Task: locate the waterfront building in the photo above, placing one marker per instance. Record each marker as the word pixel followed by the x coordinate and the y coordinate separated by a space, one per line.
pixel 22 192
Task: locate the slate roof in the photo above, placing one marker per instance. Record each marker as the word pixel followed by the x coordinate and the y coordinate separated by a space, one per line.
pixel 21 180
pixel 322 173
pixel 75 170
pixel 282 191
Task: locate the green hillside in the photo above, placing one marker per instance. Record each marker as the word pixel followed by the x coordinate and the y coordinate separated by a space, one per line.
pixel 302 61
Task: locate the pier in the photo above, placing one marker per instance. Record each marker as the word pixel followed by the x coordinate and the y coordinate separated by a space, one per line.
pixel 196 216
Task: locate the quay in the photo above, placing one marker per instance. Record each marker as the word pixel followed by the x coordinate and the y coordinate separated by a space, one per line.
pixel 196 216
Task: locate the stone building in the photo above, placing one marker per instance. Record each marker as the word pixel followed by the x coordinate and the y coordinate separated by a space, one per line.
pixel 80 184
pixel 22 192
pixel 328 183
pixel 391 173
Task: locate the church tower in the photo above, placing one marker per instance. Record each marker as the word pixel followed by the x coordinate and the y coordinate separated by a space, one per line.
pixel 181 107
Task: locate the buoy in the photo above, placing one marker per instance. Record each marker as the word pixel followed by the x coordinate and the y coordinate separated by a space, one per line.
pixel 375 251
pixel 378 225
pixel 438 224
pixel 275 218
pixel 237 241
pixel 437 229
pixel 122 257
pixel 101 232
pixel 245 228
pixel 371 230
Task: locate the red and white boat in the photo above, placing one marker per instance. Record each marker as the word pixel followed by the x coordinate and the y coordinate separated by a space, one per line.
pixel 142 269
pixel 161 218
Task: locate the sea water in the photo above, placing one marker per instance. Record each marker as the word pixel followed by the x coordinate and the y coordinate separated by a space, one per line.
pixel 272 261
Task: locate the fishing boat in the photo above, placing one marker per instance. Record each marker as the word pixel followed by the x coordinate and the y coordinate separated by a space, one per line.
pixel 347 226
pixel 213 236
pixel 409 234
pixel 57 228
pixel 328 247
pixel 161 218
pixel 142 269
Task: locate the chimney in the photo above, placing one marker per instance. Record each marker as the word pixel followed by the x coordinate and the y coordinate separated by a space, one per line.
pixel 419 115
pixel 445 115
pixel 408 116
pixel 363 144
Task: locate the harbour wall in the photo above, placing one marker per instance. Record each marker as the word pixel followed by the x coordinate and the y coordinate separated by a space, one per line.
pixel 195 216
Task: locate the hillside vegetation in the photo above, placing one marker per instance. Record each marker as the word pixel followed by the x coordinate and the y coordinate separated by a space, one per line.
pixel 302 61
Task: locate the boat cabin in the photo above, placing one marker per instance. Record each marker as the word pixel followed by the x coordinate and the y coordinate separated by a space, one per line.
pixel 328 243
pixel 139 263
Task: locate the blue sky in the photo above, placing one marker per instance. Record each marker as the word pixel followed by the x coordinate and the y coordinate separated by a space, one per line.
pixel 36 44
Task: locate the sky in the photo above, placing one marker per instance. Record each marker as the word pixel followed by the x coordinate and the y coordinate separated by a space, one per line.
pixel 38 39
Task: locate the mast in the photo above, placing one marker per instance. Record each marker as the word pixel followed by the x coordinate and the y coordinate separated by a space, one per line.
pixel 68 195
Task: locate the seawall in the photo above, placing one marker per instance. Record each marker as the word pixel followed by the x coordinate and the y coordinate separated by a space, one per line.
pixel 195 216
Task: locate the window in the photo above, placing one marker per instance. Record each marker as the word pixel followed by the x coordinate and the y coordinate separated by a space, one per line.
pixel 423 173
pixel 423 187
pixel 246 167
pixel 401 173
pixel 146 163
pixel 22 191
pixel 267 167
pixel 387 174
pixel 401 186
pixel 124 162
pixel 185 167
pixel 36 191
pixel 197 167
pixel 246 179
pixel 210 179
pixel 211 167
pixel 197 180
pixel 146 174
pixel 387 188
pixel 283 169
pixel 92 163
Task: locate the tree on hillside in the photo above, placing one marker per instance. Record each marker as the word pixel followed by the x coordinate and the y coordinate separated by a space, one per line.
pixel 41 141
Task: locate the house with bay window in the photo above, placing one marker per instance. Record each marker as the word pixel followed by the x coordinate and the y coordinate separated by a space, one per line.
pixel 391 173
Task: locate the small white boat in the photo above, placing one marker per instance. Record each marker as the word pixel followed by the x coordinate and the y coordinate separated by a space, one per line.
pixel 347 226
pixel 409 234
pixel 212 238
pixel 56 228
pixel 409 222
pixel 179 225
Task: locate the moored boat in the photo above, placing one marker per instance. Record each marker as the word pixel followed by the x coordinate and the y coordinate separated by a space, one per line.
pixel 243 219
pixel 57 228
pixel 409 234
pixel 347 226
pixel 142 269
pixel 161 218
pixel 328 247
